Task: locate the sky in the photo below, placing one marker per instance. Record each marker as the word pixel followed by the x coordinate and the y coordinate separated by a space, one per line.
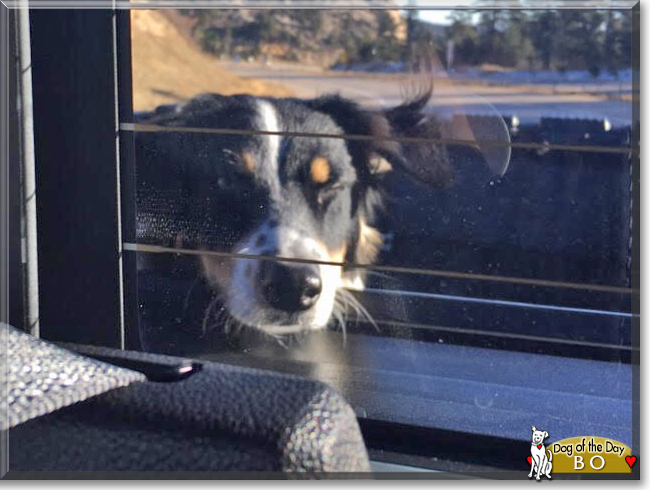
pixel 440 16
pixel 435 16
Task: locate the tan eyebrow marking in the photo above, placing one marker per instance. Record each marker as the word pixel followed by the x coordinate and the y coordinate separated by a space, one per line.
pixel 320 170
pixel 338 255
pixel 369 244
pixel 249 161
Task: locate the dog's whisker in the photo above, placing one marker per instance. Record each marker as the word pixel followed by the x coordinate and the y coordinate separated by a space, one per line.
pixel 361 310
pixel 338 315
pixel 227 325
pixel 206 315
pixel 340 305
pixel 208 326
pixel 186 301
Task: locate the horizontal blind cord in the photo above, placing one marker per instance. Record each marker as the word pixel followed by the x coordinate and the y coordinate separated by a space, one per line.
pixel 139 247
pixel 151 128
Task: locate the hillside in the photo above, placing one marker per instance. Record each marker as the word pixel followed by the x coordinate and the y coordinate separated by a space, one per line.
pixel 169 67
pixel 313 37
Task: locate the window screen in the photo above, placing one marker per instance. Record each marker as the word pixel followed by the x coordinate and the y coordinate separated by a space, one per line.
pixel 461 263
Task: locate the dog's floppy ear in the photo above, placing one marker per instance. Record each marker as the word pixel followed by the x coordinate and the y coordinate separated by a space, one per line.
pixel 424 156
pixel 545 434
pixel 385 149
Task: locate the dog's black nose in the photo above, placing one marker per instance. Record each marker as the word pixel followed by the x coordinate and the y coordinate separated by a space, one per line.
pixel 289 286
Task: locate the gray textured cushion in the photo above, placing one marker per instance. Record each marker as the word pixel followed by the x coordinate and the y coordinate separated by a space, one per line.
pixel 42 377
pixel 223 418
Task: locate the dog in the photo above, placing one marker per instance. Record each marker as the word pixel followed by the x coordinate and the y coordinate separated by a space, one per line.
pixel 282 213
pixel 539 459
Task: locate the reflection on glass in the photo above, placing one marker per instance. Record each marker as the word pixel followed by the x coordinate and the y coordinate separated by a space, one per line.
pixel 326 235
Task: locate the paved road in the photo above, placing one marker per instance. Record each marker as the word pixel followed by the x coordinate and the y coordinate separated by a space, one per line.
pixel 386 90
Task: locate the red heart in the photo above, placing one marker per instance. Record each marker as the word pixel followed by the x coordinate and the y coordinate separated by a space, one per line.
pixel 630 460
pixel 539 446
pixel 530 460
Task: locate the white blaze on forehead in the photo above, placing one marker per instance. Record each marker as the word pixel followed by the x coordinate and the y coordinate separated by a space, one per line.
pixel 268 121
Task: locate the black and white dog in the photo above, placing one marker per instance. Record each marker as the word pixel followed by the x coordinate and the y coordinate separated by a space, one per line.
pixel 265 186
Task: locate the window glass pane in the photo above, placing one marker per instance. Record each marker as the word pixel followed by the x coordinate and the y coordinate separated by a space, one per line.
pixel 432 261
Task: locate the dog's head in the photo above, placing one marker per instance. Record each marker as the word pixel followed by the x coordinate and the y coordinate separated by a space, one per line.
pixel 271 189
pixel 539 435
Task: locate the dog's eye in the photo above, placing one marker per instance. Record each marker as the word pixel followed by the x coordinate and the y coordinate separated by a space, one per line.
pixel 235 172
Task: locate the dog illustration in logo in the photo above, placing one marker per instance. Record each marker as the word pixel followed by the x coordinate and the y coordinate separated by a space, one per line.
pixel 539 460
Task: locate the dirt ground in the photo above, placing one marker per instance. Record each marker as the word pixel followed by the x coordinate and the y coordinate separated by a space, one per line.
pixel 168 68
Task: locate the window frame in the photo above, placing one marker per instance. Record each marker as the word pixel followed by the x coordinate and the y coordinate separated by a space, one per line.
pixel 76 120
